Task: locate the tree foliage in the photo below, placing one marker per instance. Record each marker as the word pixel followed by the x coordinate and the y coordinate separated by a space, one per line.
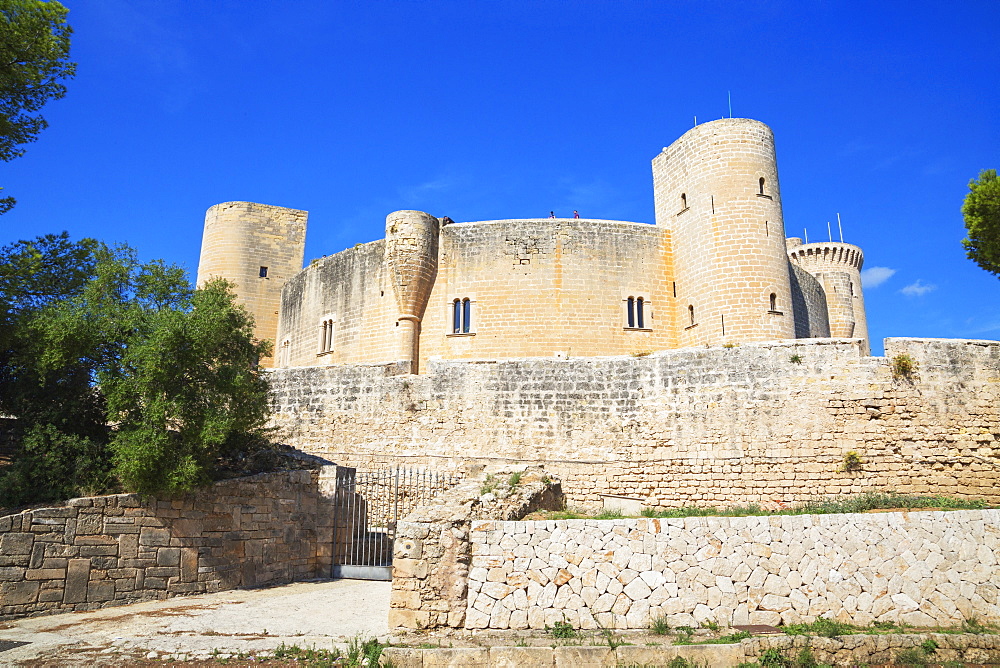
pixel 34 60
pixel 981 211
pixel 118 372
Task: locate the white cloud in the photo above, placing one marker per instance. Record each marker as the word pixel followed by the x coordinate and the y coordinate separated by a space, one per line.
pixel 918 289
pixel 876 276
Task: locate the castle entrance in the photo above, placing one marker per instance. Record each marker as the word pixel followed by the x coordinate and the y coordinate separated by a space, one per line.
pixel 369 504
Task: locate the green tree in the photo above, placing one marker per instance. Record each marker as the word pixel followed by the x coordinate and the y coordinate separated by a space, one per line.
pixel 34 60
pixel 981 211
pixel 122 343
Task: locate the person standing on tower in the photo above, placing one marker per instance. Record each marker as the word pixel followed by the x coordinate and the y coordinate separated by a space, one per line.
pixel 576 214
pixel 552 214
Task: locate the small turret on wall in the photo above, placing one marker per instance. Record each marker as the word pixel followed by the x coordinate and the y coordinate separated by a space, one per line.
pixel 837 267
pixel 411 255
pixel 257 247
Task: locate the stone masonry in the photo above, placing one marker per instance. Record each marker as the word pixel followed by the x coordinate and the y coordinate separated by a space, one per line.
pixel 764 423
pixel 109 550
pixel 920 568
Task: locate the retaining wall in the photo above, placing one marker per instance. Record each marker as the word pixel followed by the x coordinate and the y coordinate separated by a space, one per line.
pixel 764 423
pixel 109 550
pixel 921 568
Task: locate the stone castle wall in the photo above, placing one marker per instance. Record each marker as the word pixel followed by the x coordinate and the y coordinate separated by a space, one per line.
pixel 110 550
pixel 921 568
pixel 764 423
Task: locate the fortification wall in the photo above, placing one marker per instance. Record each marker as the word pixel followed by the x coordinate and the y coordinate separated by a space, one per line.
pixel 536 287
pixel 701 426
pixel 716 188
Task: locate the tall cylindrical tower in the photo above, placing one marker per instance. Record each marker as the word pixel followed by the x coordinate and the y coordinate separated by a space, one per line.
pixel 837 266
pixel 411 255
pixel 256 247
pixel 716 189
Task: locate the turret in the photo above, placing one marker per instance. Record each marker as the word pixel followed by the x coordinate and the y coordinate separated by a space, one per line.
pixel 256 247
pixel 716 189
pixel 411 255
pixel 837 267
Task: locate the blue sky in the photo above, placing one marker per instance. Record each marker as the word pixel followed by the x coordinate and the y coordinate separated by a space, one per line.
pixel 483 110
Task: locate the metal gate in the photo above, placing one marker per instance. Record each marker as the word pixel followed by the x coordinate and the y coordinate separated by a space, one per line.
pixel 368 506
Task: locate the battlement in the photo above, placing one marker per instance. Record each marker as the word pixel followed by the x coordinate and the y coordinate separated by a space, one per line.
pixel 827 253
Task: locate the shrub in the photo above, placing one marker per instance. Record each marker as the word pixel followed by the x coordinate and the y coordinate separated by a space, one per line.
pixel 911 657
pixel 561 629
pixel 795 359
pixel 660 626
pixel 852 461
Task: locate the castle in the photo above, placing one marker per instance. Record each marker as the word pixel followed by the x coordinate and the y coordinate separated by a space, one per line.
pixel 716 268
pixel 705 359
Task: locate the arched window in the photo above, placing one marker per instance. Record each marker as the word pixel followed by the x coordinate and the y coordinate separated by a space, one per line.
pixel 631 312
pixel 691 312
pixel 774 302
pixel 638 312
pixel 761 182
pixel 326 336
pixel 461 316
pixel 684 201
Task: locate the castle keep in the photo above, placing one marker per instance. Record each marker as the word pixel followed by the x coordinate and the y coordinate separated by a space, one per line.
pixel 706 359
pixel 716 268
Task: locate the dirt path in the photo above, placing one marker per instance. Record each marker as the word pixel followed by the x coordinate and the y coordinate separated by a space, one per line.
pixel 318 614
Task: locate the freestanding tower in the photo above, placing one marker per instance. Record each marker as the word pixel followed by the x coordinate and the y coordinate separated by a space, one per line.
pixel 716 190
pixel 256 247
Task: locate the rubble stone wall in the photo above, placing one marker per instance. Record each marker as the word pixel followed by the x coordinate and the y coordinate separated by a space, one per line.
pixel 919 568
pixel 109 550
pixel 764 423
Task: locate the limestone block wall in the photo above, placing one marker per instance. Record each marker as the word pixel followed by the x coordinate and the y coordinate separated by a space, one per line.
pixel 704 426
pixel 922 568
pixel 100 551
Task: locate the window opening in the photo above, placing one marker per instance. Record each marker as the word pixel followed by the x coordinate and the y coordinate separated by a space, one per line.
pixel 326 337
pixel 774 302
pixel 761 182
pixel 631 312
pixel 691 312
pixel 461 316
pixel 263 272
pixel 713 203
pixel 684 201
pixel 723 324
pixel 767 232
pixel 638 312
pixel 675 288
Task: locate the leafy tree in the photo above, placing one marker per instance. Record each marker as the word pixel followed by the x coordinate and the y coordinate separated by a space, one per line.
pixel 34 59
pixel 982 220
pixel 172 370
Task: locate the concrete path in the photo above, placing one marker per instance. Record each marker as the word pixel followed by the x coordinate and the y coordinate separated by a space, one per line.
pixel 306 614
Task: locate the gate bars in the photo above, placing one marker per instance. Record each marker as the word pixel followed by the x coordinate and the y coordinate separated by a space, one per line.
pixel 368 506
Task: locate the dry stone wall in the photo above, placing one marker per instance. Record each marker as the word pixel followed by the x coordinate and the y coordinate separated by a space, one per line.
pixel 764 423
pixel 110 550
pixel 923 569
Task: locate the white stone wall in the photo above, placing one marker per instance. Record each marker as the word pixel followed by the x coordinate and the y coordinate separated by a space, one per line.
pixel 922 568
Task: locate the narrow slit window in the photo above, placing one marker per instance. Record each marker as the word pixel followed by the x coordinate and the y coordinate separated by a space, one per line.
pixel 638 312
pixel 691 312
pixel 767 231
pixel 456 310
pixel 684 201
pixel 761 183
pixel 631 312
pixel 774 302
pixel 675 288
pixel 263 272
pixel 466 315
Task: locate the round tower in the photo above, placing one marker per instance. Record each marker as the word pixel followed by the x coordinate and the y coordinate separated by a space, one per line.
pixel 256 247
pixel 716 189
pixel 411 255
pixel 837 267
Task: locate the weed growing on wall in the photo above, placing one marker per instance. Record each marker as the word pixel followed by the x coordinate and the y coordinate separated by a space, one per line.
pixel 795 359
pixel 904 367
pixel 852 462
